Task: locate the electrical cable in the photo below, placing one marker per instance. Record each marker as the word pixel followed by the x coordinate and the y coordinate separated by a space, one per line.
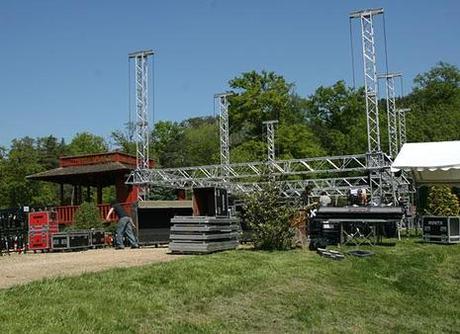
pixel 130 130
pixel 352 55
pixel 153 90
pixel 402 86
pixel 385 41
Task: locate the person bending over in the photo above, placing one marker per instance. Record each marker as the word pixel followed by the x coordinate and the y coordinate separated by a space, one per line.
pixel 125 226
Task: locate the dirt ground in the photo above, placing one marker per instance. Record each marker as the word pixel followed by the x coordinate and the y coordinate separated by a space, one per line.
pixel 22 268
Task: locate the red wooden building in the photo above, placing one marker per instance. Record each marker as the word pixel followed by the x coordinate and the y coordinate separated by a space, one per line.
pixel 88 175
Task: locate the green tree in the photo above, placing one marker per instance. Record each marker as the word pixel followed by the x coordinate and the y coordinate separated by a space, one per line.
pixel 269 219
pixel 87 143
pixel 87 217
pixel 201 142
pixel 298 141
pixel 435 105
pixel 260 97
pixel 249 151
pixel 440 85
pixel 338 119
pixel 442 202
pixel 124 140
pixel 22 160
pixel 168 144
pixel 49 150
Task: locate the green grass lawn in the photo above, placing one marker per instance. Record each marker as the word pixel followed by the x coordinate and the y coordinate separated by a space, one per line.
pixel 412 287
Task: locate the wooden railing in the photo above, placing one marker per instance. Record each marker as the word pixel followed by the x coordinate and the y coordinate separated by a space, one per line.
pixel 66 214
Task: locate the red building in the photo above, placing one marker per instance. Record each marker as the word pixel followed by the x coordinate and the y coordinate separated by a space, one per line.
pixel 88 175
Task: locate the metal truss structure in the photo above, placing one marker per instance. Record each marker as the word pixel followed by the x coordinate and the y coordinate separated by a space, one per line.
pixel 402 126
pixel 270 125
pixel 141 66
pixel 222 104
pixel 295 188
pixel 392 113
pixel 335 175
pixel 375 155
pixel 292 176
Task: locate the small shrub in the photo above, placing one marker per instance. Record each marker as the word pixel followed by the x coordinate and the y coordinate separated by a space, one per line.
pixel 269 219
pixel 442 202
pixel 87 217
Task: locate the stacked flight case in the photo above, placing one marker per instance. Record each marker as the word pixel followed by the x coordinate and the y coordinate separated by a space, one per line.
pixel 42 225
pixel 441 229
pixel 210 229
pixel 78 240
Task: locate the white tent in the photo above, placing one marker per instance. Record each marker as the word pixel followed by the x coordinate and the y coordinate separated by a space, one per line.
pixel 431 163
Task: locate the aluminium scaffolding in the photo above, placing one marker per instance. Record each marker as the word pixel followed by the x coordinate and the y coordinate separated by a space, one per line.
pixel 392 113
pixel 370 170
pixel 221 101
pixel 376 158
pixel 141 69
pixel 270 126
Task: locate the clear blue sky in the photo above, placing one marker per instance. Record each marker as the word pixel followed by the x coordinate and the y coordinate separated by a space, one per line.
pixel 63 64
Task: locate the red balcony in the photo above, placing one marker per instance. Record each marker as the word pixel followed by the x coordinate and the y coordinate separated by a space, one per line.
pixel 66 214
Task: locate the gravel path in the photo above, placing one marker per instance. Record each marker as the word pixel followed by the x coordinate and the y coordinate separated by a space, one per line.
pixel 22 268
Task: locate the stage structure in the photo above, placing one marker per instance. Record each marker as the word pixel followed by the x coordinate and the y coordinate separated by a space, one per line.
pixel 141 71
pixel 270 126
pixel 392 112
pixel 402 126
pixel 335 174
pixel 221 101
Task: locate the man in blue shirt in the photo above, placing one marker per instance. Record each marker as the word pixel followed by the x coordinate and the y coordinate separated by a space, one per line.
pixel 124 227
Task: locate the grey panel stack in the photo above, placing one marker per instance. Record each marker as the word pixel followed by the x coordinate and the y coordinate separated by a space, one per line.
pixel 203 234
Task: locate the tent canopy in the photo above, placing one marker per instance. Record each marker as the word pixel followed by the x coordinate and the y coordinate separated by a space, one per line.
pixel 431 163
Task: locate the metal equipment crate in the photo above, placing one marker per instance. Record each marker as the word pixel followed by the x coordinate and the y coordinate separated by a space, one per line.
pixel 441 229
pixel 210 201
pixel 202 234
pixel 42 224
pixel 39 240
pixel 71 240
pixel 97 238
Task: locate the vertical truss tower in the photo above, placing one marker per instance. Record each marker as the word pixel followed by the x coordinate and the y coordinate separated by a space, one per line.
pixel 224 131
pixel 375 155
pixel 392 113
pixel 270 125
pixel 141 68
pixel 402 126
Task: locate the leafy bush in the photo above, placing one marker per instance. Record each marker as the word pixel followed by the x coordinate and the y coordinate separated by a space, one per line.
pixel 269 219
pixel 442 202
pixel 87 217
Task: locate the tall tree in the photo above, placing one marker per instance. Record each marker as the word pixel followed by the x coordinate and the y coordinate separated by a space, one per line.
pixel 87 143
pixel 338 118
pixel 435 105
pixel 23 159
pixel 124 139
pixel 49 150
pixel 168 144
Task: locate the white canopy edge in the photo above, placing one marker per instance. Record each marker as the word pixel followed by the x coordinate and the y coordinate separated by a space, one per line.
pixel 431 162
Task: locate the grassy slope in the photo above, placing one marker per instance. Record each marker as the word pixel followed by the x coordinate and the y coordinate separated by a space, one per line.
pixel 408 288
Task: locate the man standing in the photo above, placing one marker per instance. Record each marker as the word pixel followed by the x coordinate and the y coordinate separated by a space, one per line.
pixel 124 227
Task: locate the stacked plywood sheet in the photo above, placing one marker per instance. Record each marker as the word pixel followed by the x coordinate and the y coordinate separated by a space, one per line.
pixel 203 234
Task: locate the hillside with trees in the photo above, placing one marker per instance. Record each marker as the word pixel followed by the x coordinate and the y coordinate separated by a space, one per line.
pixel 331 121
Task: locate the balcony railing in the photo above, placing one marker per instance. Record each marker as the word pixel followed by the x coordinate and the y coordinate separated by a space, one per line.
pixel 66 214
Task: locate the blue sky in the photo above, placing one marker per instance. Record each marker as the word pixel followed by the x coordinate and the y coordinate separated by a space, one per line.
pixel 64 64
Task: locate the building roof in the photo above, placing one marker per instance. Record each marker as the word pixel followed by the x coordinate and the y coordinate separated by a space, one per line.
pixel 431 162
pixel 90 169
pixel 99 174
